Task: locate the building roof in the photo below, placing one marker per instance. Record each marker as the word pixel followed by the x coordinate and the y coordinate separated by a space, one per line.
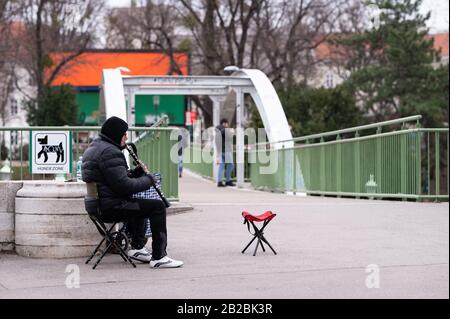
pixel 441 43
pixel 86 69
pixel 326 50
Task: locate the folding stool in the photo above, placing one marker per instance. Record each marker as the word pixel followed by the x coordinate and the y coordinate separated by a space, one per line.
pixel 250 219
pixel 116 239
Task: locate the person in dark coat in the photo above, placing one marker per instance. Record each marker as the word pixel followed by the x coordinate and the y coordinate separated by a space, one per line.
pixel 105 164
pixel 224 148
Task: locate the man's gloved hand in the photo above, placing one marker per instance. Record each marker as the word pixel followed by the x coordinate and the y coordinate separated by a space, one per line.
pixel 137 172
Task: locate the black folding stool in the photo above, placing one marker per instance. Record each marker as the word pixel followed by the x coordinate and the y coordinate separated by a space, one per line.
pixel 113 239
pixel 250 219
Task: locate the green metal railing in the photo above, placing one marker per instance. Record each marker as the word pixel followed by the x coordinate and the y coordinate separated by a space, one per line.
pixel 154 146
pixel 154 149
pixel 409 163
pixel 193 156
pixel 194 160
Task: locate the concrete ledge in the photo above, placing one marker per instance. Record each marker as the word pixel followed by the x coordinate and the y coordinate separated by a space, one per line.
pixel 4 247
pixel 50 206
pixel 6 228
pixel 54 251
pixel 51 221
pixel 55 230
pixel 178 208
pixel 52 189
pixel 8 190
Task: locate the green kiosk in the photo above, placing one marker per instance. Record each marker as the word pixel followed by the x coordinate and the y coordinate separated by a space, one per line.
pixel 148 108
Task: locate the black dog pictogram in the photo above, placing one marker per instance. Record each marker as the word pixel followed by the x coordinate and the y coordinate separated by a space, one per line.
pixel 58 149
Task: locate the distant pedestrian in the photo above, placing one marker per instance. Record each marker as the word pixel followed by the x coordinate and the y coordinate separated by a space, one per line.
pixel 224 148
pixel 183 142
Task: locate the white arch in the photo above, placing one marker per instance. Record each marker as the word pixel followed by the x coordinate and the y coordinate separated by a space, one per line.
pixel 112 101
pixel 250 81
pixel 269 107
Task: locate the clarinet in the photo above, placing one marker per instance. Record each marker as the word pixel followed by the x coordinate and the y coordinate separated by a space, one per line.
pixel 137 163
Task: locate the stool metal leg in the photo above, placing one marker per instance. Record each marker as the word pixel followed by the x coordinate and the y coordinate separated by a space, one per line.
pixel 256 248
pixel 261 243
pixel 95 251
pixel 265 240
pixel 102 255
pixel 260 236
pixel 249 244
pixel 101 242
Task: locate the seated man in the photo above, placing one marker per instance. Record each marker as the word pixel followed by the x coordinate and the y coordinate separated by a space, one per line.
pixel 105 164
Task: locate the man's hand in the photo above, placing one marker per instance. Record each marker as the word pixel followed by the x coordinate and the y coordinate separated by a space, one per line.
pixel 136 173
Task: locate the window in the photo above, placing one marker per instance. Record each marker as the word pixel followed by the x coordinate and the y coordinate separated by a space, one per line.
pixel 329 81
pixel 156 101
pixel 14 137
pixel 14 107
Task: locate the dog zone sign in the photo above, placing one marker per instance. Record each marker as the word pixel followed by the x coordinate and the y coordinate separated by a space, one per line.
pixel 50 152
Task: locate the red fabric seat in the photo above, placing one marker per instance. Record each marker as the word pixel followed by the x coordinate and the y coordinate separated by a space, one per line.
pixel 260 218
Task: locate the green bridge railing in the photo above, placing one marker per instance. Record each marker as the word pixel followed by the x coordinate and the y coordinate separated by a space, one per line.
pixel 154 146
pixel 193 158
pixel 407 163
pixel 391 159
pixel 192 162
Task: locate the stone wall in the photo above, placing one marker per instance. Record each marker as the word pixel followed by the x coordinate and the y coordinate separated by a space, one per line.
pixel 8 190
pixel 51 221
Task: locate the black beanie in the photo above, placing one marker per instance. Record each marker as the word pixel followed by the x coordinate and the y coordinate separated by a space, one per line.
pixel 114 128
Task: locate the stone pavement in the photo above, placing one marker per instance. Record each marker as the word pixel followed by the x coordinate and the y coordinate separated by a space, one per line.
pixel 324 246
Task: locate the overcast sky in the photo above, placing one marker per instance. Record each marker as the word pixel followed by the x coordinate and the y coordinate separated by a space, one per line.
pixel 438 22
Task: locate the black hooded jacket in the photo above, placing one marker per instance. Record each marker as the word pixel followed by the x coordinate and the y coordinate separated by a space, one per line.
pixel 105 164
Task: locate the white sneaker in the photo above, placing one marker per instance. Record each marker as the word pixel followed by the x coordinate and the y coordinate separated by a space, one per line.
pixel 165 262
pixel 142 255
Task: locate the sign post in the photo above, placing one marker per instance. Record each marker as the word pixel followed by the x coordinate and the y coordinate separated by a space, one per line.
pixel 51 152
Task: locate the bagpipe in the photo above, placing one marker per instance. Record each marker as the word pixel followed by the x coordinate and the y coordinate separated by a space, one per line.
pixel 132 150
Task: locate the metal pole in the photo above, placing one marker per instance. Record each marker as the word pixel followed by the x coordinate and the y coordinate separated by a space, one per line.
pixel 322 165
pixel 379 169
pixel 428 164
pixel 294 172
pixel 21 155
pixel 403 165
pixel 240 138
pixel 339 166
pixel 216 122
pixel 358 165
pixel 437 164
pixel 418 163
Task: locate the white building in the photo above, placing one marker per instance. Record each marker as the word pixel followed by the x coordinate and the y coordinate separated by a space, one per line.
pixel 16 115
pixel 327 73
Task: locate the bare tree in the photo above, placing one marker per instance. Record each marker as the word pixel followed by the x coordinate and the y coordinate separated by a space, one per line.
pixel 55 26
pixel 8 49
pixel 276 36
pixel 150 25
pixel 346 53
pixel 222 31
pixel 290 32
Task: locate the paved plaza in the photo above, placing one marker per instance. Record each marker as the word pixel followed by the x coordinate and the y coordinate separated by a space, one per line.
pixel 327 248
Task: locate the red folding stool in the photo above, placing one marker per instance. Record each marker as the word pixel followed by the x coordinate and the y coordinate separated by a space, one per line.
pixel 250 219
